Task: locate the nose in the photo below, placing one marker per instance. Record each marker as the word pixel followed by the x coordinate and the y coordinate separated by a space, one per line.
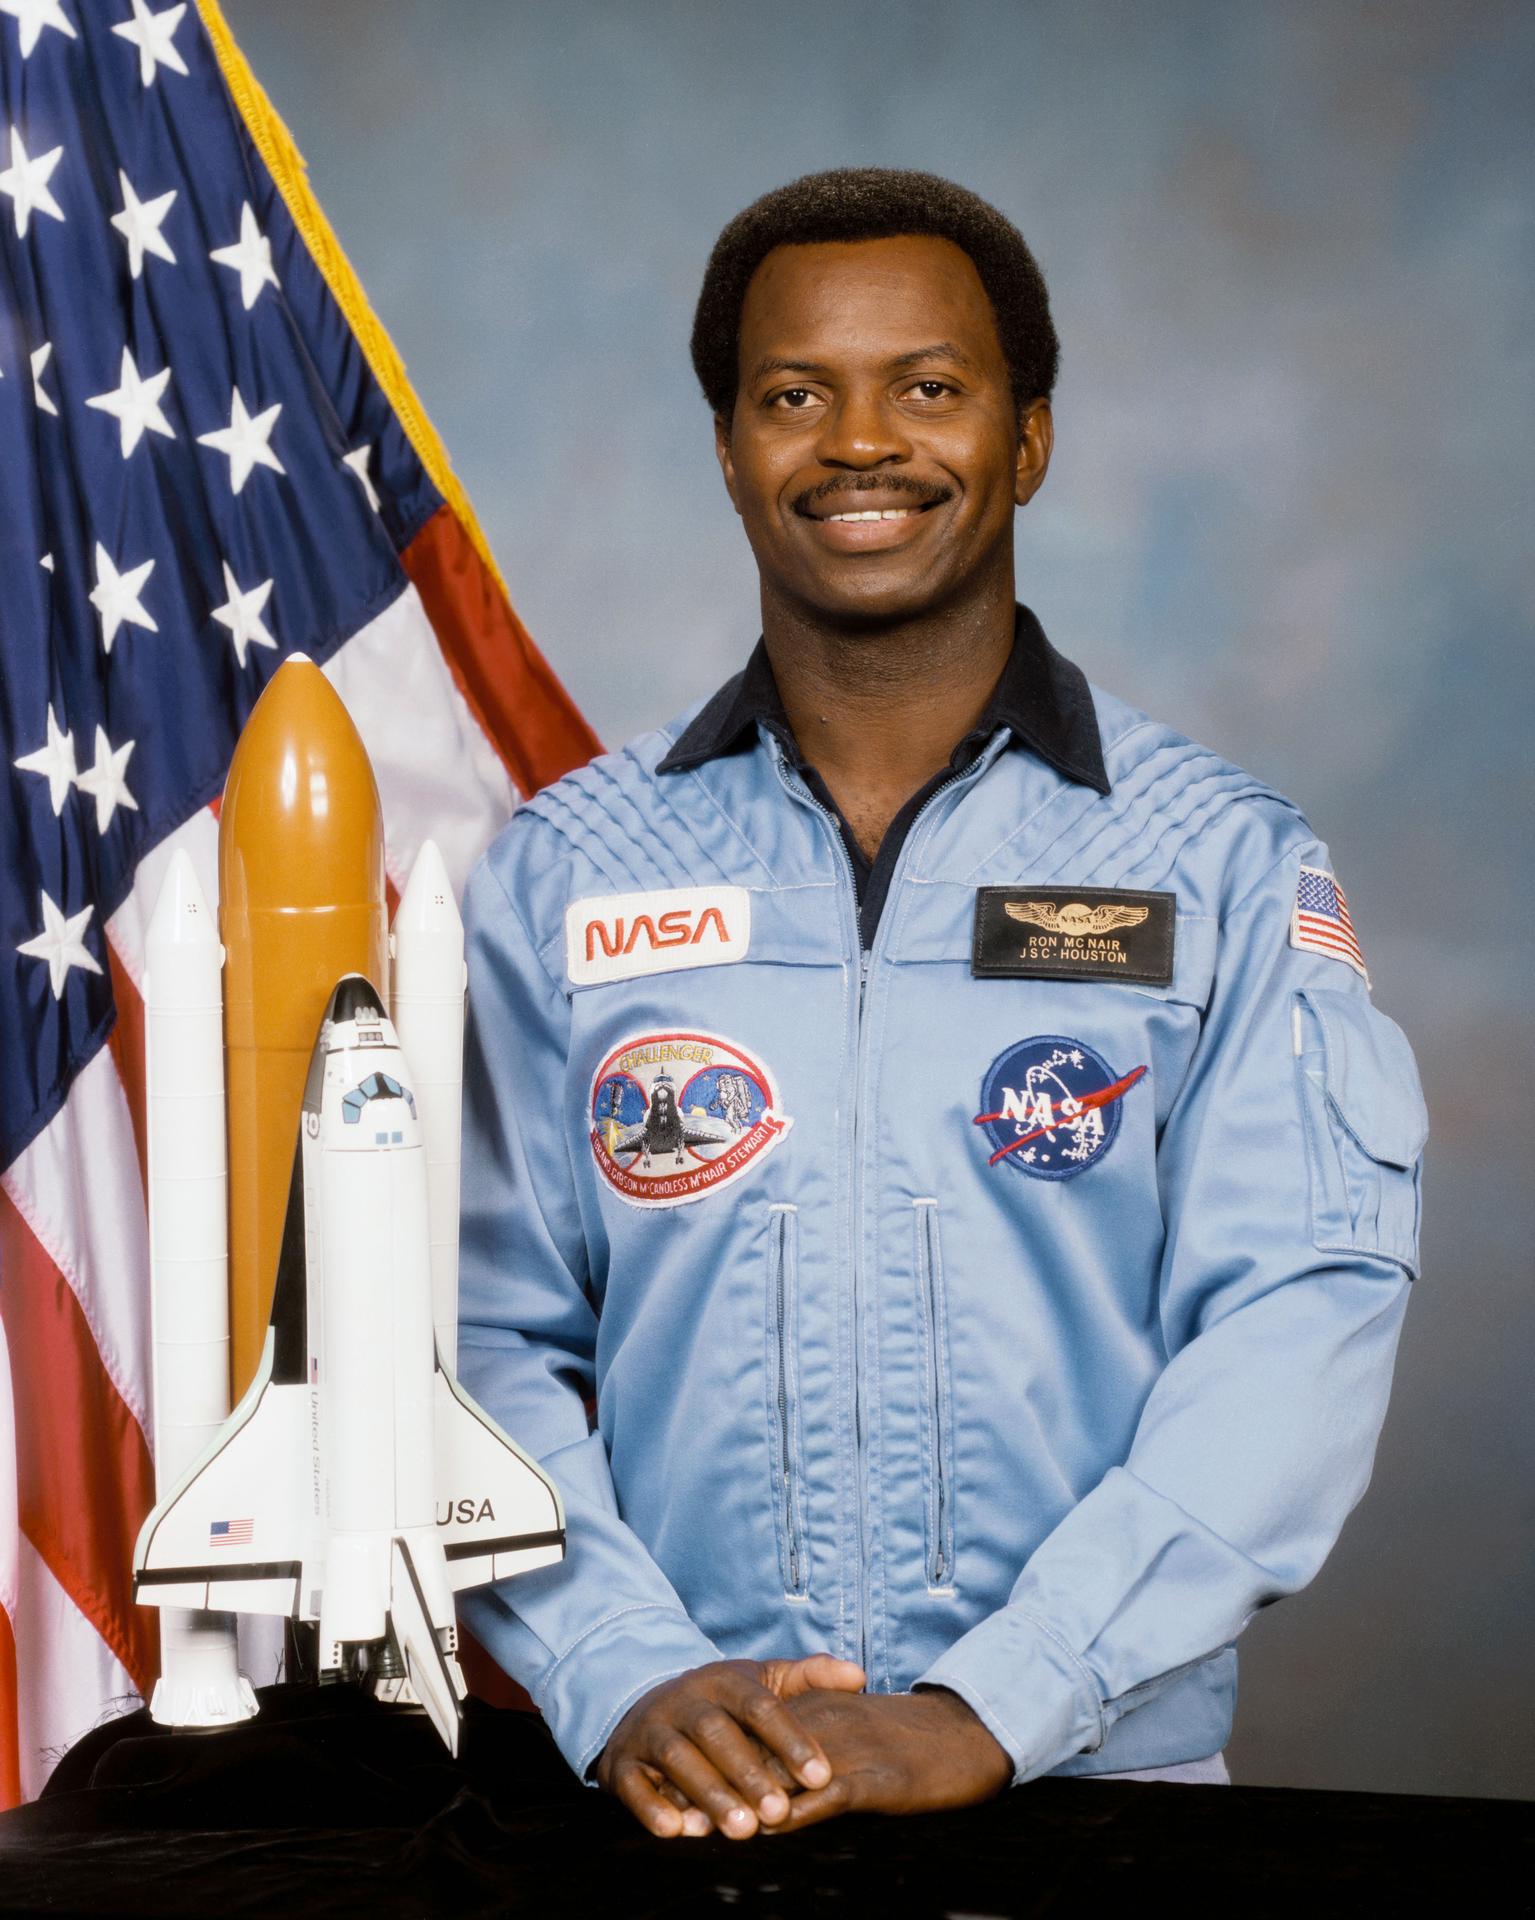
pixel 862 431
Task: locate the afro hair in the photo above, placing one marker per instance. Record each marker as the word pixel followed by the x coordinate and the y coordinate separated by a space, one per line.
pixel 876 203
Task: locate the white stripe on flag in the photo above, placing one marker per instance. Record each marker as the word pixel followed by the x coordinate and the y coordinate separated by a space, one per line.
pixel 77 1187
pixel 68 1679
pixel 127 928
pixel 437 773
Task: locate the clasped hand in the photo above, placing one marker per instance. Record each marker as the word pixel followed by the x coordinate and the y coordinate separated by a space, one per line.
pixel 722 1747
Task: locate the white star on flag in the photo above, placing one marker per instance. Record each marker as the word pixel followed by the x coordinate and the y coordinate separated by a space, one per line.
pixel 55 761
pixel 136 404
pixel 250 256
pixel 139 224
pixel 26 182
pixel 39 361
pixel 358 460
pixel 154 36
pixel 33 16
pixel 241 613
pixel 115 596
pixel 105 781
pixel 245 441
pixel 60 944
pixel 47 561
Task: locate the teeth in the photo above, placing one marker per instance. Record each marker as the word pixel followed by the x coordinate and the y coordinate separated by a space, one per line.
pixel 890 513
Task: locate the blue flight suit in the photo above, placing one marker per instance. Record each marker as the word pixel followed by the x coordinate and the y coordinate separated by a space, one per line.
pixel 929 1260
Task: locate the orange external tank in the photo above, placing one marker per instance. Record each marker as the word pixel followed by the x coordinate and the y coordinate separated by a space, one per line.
pixel 301 902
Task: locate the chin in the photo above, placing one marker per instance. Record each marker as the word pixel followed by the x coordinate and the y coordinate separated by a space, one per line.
pixel 873 603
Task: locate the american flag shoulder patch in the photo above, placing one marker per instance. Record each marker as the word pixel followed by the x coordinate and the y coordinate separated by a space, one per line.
pixel 1320 921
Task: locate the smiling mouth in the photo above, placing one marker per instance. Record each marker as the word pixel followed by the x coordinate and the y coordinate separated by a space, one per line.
pixel 875 513
pixel 851 506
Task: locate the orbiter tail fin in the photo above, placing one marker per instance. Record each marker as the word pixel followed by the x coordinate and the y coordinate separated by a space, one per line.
pixel 426 1665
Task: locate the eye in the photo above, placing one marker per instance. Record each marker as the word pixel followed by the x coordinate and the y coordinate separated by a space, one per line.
pixel 793 399
pixel 930 389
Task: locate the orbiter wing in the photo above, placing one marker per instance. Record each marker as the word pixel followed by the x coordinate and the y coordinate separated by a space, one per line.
pixel 504 1516
pixel 230 1536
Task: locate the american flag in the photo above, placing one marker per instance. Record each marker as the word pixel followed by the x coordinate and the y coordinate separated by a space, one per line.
pixel 230 1533
pixel 1321 923
pixel 209 457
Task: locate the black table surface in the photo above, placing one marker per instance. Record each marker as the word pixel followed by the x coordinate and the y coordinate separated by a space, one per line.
pixel 327 1803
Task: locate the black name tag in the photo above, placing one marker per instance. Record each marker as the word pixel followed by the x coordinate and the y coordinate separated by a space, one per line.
pixel 1073 933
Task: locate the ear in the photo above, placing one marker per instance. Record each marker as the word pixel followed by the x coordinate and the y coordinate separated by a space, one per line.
pixel 722 454
pixel 1036 442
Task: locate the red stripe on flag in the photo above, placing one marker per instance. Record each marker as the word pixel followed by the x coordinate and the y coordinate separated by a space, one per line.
pixel 127 1043
pixel 10 1738
pixel 84 1476
pixel 511 689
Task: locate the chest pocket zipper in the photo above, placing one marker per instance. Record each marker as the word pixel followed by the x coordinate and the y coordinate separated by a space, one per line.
pixel 937 1404
pixel 783 1395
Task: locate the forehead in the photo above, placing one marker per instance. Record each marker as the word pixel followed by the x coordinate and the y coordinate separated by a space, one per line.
pixel 840 301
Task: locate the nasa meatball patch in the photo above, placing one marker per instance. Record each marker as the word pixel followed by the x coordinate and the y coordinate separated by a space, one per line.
pixel 618 936
pixel 676 1116
pixel 1050 1106
pixel 1074 933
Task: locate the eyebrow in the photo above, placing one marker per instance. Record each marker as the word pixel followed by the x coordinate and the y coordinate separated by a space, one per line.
pixel 939 350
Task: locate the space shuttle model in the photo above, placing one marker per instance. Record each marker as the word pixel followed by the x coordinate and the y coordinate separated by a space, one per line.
pixel 355 1485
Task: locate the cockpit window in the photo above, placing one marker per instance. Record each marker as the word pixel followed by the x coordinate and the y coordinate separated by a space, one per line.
pixel 377 1086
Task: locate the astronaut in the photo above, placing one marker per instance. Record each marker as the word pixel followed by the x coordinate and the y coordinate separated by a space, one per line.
pixel 941 1441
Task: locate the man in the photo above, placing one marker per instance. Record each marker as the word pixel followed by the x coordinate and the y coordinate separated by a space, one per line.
pixel 1021 1321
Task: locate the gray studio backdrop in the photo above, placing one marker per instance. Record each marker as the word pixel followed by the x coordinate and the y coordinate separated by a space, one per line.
pixel 1290 251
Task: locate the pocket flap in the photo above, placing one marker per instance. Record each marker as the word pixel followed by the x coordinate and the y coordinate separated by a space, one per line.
pixel 1372 1079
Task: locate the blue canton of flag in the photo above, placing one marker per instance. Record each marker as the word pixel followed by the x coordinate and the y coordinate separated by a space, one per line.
pixel 179 503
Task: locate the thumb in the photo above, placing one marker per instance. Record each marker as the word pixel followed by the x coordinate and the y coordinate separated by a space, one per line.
pixel 790 1678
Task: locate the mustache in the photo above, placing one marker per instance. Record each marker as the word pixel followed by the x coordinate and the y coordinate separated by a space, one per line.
pixel 840 487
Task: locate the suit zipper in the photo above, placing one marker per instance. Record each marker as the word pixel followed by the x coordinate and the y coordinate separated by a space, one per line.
pixel 940 1524
pixel 866 958
pixel 782 1231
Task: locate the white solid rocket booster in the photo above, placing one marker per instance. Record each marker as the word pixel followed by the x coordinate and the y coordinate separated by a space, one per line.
pixel 200 1684
pixel 427 1008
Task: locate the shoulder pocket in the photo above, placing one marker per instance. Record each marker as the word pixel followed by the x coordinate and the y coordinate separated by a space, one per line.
pixel 1365 1126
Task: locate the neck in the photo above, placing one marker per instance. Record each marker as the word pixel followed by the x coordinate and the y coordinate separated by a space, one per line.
pixel 877 711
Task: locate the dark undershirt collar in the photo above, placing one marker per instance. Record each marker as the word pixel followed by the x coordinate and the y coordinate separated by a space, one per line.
pixel 1041 699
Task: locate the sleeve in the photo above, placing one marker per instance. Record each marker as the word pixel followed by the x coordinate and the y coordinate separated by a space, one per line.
pixel 1289 1170
pixel 589 1636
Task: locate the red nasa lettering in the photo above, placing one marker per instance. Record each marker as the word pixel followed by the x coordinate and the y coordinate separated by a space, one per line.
pixel 672 929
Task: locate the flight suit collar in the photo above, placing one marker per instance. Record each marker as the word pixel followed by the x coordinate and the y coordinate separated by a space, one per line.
pixel 1042 699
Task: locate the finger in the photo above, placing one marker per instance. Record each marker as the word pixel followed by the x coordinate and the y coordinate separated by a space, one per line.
pixel 775 1768
pixel 695 1822
pixel 734 1753
pixel 810 1809
pixel 790 1678
pixel 639 1794
pixel 683 1764
pixel 824 1670
pixel 766 1717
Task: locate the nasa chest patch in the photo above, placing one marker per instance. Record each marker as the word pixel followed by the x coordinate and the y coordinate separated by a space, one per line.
pixel 676 1116
pixel 1074 933
pixel 1051 1106
pixel 618 936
